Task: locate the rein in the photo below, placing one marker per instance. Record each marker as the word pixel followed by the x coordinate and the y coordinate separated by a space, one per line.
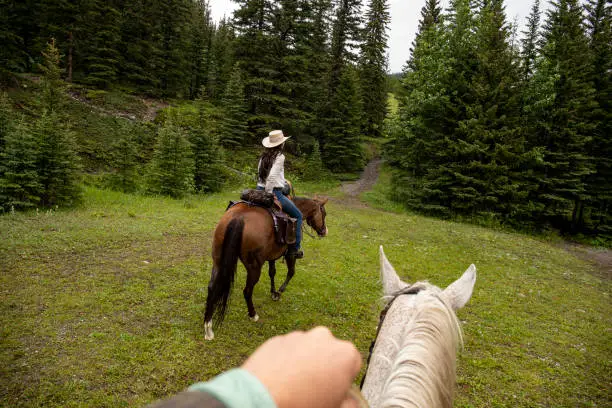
pixel 410 290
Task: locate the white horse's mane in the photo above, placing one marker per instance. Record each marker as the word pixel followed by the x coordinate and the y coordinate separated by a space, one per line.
pixel 423 371
pixel 413 360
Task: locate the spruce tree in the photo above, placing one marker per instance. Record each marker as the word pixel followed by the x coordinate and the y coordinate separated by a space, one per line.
pixel 492 145
pixel 200 33
pixel 373 66
pixel 343 149
pixel 172 24
pixel 346 36
pixel 599 184
pixel 52 85
pixel 254 49
pixel 57 162
pixel 431 14
pixel 19 181
pixel 6 118
pixel 124 161
pixel 419 139
pixel 440 145
pixel 531 40
pixel 234 127
pixel 12 55
pixel 101 38
pixel 138 45
pixel 313 46
pixel 219 59
pixel 315 170
pixel 171 169
pixel 562 190
pixel 208 153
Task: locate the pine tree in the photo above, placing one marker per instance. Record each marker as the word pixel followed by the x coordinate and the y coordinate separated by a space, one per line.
pixel 171 169
pixel 19 181
pixel 373 68
pixel 233 127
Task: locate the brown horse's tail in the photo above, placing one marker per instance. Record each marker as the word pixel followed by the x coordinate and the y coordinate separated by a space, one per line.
pixel 219 290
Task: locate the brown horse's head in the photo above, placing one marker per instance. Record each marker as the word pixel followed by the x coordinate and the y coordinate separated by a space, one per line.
pixel 313 211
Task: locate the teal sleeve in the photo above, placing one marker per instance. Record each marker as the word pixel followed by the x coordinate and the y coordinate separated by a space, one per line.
pixel 237 388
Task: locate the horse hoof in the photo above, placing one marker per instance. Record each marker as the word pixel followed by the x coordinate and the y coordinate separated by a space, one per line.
pixel 275 296
pixel 209 336
pixel 254 318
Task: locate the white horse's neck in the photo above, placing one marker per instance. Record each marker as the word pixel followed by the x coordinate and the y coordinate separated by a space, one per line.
pixel 413 361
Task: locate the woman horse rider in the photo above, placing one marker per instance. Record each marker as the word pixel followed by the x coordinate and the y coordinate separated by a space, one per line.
pixel 271 178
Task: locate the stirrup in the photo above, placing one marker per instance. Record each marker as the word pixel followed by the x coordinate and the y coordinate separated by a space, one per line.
pixel 295 253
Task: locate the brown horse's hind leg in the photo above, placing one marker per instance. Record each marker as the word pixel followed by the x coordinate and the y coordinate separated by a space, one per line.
pixel 290 272
pixel 272 273
pixel 210 309
pixel 253 273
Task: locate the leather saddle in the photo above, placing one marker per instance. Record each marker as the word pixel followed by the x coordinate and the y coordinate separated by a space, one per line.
pixel 285 227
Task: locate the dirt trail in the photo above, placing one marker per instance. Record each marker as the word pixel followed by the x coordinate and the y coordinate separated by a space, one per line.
pixel 366 181
pixel 153 106
pixel 600 258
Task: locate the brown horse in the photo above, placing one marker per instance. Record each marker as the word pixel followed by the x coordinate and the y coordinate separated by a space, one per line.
pixel 247 233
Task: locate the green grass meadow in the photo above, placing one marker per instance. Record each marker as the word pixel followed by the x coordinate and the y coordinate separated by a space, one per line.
pixel 102 305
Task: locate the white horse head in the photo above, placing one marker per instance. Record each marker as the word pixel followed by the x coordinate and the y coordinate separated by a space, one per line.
pixel 413 360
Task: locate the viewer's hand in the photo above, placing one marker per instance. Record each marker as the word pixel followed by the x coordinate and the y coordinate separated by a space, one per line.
pixel 306 369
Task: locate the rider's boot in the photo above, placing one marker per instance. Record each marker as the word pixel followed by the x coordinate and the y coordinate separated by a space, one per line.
pixel 294 252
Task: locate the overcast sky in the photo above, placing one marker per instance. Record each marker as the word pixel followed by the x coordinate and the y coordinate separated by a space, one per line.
pixel 405 16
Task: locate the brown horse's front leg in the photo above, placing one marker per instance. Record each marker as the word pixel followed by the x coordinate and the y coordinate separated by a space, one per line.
pixel 272 273
pixel 290 272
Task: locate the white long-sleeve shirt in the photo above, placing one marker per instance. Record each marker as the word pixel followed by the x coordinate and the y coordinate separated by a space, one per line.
pixel 276 177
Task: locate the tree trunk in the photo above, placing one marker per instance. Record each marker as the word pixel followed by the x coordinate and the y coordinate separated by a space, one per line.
pixel 69 79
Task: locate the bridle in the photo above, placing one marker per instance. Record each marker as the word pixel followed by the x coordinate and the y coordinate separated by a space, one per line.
pixel 319 233
pixel 409 290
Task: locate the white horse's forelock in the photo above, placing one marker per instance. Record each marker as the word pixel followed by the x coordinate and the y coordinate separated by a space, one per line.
pixel 422 372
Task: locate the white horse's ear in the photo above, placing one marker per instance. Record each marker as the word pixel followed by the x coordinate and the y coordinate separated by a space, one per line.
pixel 459 292
pixel 390 281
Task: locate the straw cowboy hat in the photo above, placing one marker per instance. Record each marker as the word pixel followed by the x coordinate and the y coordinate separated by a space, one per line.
pixel 274 139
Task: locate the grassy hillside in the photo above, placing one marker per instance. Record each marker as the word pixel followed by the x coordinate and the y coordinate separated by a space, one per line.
pixel 102 305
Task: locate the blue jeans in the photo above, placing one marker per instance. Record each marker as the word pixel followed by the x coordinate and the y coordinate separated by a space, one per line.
pixel 292 211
